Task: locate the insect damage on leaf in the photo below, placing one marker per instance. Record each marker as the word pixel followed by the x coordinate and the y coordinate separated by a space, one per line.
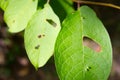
pixel 40 36
pixel 82 46
pixel 14 9
pixel 88 68
pixel 91 44
pixel 50 21
pixel 13 21
pixel 37 47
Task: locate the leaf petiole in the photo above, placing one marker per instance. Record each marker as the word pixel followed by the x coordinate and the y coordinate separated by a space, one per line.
pixel 97 3
pixel 48 1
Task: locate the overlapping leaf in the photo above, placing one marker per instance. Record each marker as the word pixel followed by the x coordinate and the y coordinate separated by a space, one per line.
pixel 40 36
pixel 74 58
pixel 62 7
pixel 4 4
pixel 18 13
pixel 67 5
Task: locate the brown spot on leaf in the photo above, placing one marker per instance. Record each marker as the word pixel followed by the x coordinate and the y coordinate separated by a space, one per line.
pixel 91 44
pixel 43 35
pixel 13 21
pixel 37 47
pixel 40 36
pixel 50 21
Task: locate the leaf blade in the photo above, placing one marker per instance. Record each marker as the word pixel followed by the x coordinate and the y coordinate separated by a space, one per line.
pixel 40 43
pixel 4 4
pixel 73 60
pixel 18 13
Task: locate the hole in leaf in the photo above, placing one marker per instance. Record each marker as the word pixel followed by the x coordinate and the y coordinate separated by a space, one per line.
pixel 37 47
pixel 83 17
pixel 50 21
pixel 91 44
pixel 88 68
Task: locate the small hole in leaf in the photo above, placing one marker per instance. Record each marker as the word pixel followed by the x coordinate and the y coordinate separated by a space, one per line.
pixel 88 68
pixel 91 44
pixel 50 21
pixel 40 36
pixel 83 17
pixel 37 47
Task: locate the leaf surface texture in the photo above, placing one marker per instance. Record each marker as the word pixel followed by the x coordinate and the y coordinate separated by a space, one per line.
pixel 18 13
pixel 74 58
pixel 40 36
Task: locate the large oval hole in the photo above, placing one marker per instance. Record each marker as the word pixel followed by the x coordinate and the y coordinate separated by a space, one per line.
pixel 91 44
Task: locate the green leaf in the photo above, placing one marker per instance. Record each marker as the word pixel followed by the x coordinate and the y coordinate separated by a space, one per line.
pixel 18 13
pixel 41 4
pixel 40 36
pixel 62 7
pixel 83 49
pixel 67 5
pixel 4 4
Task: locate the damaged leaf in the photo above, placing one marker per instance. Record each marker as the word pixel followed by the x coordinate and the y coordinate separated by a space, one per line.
pixel 40 36
pixel 83 49
pixel 18 14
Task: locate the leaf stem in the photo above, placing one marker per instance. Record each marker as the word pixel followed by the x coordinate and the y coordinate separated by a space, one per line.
pixel 78 5
pixel 98 3
pixel 48 1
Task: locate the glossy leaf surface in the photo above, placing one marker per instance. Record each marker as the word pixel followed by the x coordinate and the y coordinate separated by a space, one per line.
pixel 83 48
pixel 40 36
pixel 18 13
